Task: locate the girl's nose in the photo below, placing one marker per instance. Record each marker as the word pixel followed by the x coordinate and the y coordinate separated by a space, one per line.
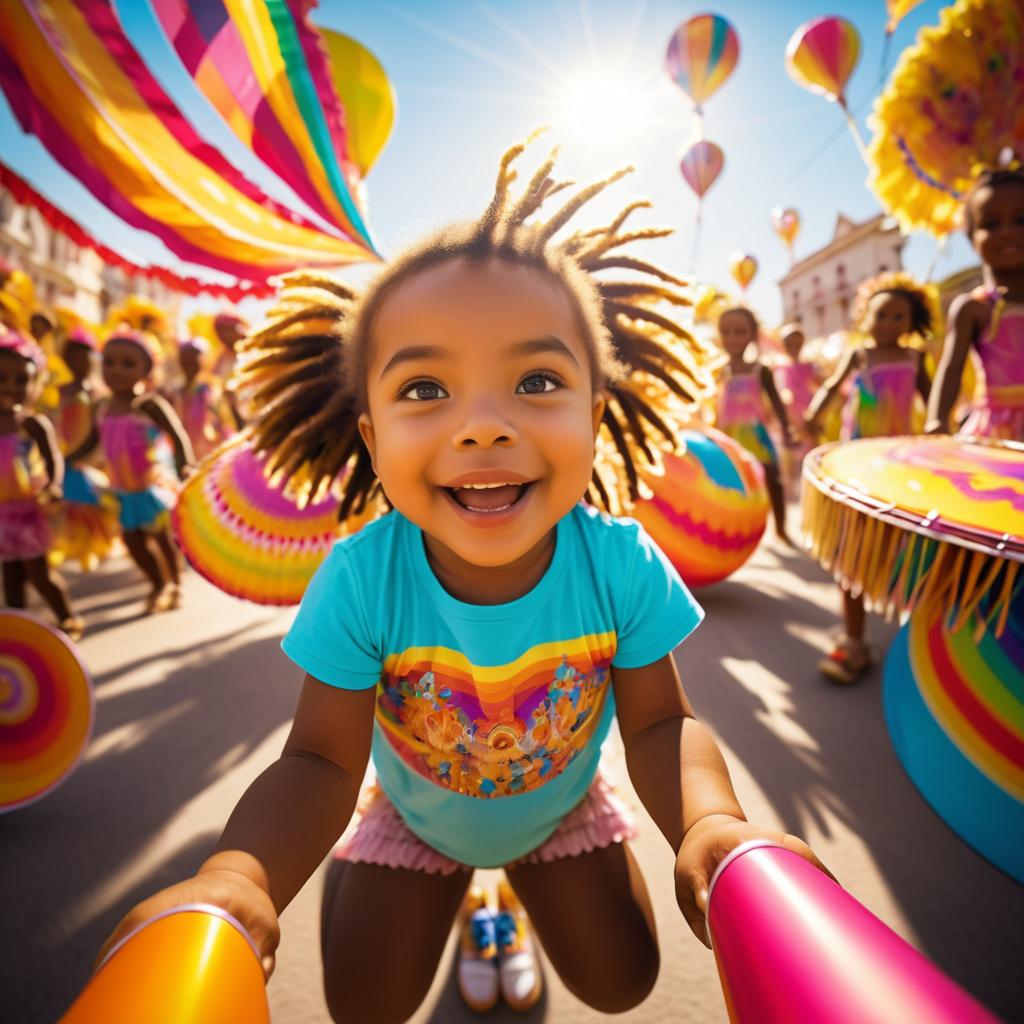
pixel 485 427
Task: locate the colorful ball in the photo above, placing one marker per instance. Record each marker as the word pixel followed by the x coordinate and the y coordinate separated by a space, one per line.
pixel 708 509
pixel 46 709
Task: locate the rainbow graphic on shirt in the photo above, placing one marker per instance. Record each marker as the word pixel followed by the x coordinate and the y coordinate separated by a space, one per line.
pixel 496 730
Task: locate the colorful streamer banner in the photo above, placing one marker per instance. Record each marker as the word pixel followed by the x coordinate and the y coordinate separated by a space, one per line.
pixel 74 79
pixel 262 66
pixel 25 195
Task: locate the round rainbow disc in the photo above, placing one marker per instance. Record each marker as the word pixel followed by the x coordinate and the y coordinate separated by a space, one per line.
pixel 708 509
pixel 954 704
pixel 46 709
pixel 247 537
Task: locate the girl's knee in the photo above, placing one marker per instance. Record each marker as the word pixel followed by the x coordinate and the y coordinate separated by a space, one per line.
pixel 620 985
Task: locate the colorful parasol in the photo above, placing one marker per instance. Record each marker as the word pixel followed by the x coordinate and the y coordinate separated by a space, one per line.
pixel 46 709
pixel 246 535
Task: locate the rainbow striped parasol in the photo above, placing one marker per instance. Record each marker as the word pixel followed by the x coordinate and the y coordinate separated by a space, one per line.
pixel 246 535
pixel 46 709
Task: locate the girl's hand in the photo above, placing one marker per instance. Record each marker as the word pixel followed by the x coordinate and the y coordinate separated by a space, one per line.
pixel 51 494
pixel 185 470
pixel 791 436
pixel 242 898
pixel 705 845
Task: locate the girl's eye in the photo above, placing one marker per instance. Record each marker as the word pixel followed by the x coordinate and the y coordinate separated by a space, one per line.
pixel 538 384
pixel 422 391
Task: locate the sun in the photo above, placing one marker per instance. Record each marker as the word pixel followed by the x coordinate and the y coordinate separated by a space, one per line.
pixel 602 109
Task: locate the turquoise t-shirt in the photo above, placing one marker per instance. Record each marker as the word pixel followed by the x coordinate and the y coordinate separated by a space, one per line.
pixel 489 718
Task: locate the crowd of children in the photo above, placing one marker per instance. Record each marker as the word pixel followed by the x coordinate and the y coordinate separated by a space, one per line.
pixel 487 568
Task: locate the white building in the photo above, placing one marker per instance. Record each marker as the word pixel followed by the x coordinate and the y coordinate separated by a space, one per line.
pixel 819 290
pixel 65 274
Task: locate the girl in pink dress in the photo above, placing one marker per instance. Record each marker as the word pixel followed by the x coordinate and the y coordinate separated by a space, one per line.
pixel 200 401
pixel 31 474
pixel 133 426
pixel 744 393
pixel 989 320
pixel 888 374
pixel 796 381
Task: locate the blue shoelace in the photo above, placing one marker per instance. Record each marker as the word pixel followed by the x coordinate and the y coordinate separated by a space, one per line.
pixel 481 927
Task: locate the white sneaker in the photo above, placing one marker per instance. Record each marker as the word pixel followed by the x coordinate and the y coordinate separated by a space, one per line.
pixel 478 953
pixel 519 967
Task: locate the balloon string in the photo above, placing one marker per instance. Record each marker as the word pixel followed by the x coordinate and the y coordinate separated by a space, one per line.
pixel 862 147
pixel 695 248
pixel 882 69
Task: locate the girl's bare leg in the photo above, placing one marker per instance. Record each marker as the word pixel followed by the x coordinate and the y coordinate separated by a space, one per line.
pixel 593 916
pixel 136 543
pixel 14 584
pixel 382 933
pixel 50 587
pixel 778 500
pixel 169 550
pixel 853 615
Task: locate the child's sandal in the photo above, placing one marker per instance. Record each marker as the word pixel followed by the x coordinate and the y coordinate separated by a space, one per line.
pixel 848 661
pixel 73 627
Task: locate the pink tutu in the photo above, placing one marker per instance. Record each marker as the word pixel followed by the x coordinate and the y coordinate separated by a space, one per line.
pixel 24 531
pixel 1003 422
pixel 382 837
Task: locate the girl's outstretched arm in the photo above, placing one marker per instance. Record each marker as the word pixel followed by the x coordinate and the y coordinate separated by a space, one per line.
pixel 824 395
pixel 681 777
pixel 968 317
pixel 41 431
pixel 924 382
pixel 286 821
pixel 162 413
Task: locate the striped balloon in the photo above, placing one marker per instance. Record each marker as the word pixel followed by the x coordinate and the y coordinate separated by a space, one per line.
pixel 702 54
pixel 701 165
pixel 954 704
pixel 708 509
pixel 743 267
pixel 822 54
pixel 46 709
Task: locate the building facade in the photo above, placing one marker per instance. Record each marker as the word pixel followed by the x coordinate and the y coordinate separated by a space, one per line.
pixel 819 290
pixel 65 274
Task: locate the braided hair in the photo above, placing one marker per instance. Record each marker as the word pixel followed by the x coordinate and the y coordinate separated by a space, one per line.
pixel 302 374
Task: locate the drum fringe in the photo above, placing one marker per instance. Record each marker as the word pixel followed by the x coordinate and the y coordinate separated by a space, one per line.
pixel 896 569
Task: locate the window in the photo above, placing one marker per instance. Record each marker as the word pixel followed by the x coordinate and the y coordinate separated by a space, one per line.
pixel 796 298
pixel 840 270
pixel 883 267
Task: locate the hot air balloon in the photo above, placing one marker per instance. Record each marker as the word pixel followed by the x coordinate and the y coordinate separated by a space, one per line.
pixel 820 56
pixel 702 54
pixel 701 164
pixel 743 267
pixel 786 224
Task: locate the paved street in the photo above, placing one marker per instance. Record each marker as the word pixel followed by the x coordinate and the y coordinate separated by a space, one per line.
pixel 192 704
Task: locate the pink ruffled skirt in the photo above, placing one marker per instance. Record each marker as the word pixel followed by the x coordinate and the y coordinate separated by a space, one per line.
pixel 24 531
pixel 382 837
pixel 1003 422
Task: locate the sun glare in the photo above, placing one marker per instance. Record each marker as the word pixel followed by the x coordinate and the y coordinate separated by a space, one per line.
pixel 601 109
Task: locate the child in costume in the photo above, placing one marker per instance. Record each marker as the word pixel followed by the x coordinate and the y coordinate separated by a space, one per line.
pixel 481 635
pixel 132 426
pixel 796 382
pixel 989 320
pixel 230 329
pixel 88 522
pixel 740 410
pixel 31 474
pixel 892 308
pixel 200 402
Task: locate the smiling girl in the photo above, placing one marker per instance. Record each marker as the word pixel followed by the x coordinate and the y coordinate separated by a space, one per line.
pixel 479 638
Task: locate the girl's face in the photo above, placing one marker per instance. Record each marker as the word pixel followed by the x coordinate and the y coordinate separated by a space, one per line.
pixel 481 413
pixel 734 330
pixel 189 359
pixel 17 376
pixel 888 318
pixel 793 343
pixel 125 365
pixel 78 359
pixel 997 213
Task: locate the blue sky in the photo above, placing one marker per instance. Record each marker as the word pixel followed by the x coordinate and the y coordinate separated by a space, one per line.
pixel 472 77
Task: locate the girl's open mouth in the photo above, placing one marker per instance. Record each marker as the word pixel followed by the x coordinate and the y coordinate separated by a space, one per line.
pixel 488 498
